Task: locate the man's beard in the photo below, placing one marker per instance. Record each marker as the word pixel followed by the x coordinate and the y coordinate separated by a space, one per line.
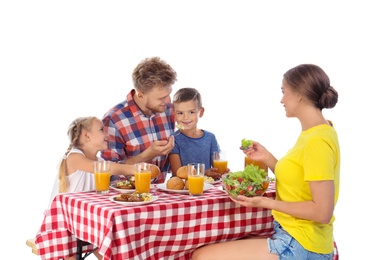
pixel 157 109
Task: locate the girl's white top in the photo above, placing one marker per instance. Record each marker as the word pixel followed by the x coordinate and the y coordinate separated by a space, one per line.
pixel 78 181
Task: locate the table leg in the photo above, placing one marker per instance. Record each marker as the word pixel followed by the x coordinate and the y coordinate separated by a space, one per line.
pixel 79 254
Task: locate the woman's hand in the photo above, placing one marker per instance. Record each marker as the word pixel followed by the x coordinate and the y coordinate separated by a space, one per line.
pixel 258 152
pixel 254 202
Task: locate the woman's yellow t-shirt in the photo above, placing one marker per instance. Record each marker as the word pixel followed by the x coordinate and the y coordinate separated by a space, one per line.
pixel 314 157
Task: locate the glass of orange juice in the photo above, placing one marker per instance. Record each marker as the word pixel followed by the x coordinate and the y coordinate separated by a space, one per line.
pixel 220 161
pixel 102 174
pixel 196 172
pixel 256 163
pixel 143 172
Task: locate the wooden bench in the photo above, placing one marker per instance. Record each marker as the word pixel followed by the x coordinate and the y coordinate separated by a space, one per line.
pixel 80 255
pixel 31 243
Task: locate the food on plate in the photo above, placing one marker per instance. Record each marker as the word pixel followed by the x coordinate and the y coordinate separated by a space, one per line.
pixel 155 171
pixel 182 172
pixel 245 144
pixel 252 181
pixel 134 197
pixel 215 175
pixel 209 179
pixel 180 127
pixel 175 183
pixel 126 184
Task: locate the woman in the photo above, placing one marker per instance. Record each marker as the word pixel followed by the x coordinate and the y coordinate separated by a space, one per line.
pixel 307 179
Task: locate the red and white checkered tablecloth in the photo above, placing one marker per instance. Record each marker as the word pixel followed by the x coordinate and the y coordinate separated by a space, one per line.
pixel 169 228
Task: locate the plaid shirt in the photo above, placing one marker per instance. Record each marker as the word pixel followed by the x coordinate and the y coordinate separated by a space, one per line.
pixel 130 132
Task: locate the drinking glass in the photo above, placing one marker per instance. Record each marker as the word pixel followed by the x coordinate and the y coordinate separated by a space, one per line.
pixel 143 172
pixel 196 172
pixel 220 161
pixel 256 163
pixel 102 174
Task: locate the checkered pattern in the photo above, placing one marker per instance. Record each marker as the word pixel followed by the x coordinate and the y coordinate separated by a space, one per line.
pixel 130 132
pixel 169 228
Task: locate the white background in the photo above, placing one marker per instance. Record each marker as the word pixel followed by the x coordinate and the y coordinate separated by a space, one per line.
pixel 63 59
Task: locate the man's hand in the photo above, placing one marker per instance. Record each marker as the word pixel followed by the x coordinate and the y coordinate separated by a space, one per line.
pixel 162 147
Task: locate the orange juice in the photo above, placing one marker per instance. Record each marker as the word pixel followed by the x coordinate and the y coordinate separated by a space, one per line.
pixel 196 184
pixel 102 181
pixel 221 165
pixel 143 181
pixel 256 163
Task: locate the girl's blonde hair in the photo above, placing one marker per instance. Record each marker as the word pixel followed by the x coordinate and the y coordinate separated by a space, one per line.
pixel 74 132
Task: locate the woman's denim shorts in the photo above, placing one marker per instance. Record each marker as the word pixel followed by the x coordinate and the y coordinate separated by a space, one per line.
pixel 286 247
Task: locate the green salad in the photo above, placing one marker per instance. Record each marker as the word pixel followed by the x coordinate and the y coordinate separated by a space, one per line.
pixel 252 181
pixel 245 144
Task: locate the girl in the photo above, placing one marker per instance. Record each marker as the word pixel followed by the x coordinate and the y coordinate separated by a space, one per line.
pixel 77 166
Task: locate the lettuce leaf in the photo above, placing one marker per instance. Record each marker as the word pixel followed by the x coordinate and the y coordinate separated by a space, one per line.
pixel 249 182
pixel 246 143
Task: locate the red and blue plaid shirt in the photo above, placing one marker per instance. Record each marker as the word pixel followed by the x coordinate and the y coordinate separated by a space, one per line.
pixel 130 132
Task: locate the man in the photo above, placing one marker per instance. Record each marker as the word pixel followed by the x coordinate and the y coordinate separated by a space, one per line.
pixel 139 129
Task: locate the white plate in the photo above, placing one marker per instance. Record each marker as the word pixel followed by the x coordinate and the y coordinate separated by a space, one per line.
pixel 126 190
pixel 123 190
pixel 128 203
pixel 162 186
pixel 214 182
pixel 113 186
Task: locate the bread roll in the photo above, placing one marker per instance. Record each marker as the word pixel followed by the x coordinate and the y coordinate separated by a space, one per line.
pixel 175 183
pixel 186 185
pixel 182 172
pixel 155 171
